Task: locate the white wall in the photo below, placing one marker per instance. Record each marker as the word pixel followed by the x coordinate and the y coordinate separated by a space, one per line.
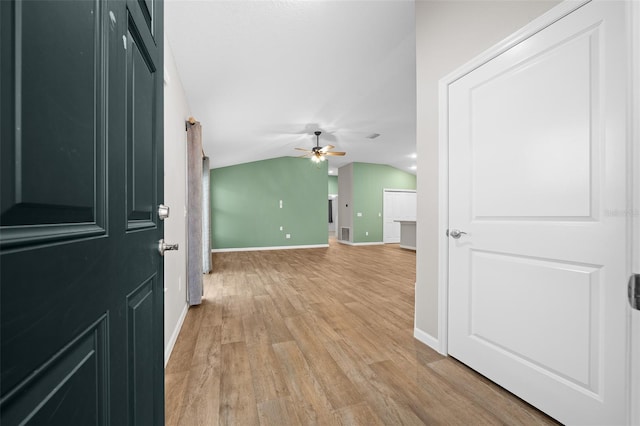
pixel 176 112
pixel 448 34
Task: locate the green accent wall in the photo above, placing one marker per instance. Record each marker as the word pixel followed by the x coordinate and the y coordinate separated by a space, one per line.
pixel 369 181
pixel 245 204
pixel 333 184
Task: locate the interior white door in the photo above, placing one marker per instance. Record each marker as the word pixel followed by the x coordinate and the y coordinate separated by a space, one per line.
pixel 391 209
pixel 397 205
pixel 538 181
pixel 410 206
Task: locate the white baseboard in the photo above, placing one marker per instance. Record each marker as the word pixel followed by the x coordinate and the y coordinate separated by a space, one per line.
pixel 174 336
pixel 349 243
pixel 269 248
pixel 428 340
pixel 408 247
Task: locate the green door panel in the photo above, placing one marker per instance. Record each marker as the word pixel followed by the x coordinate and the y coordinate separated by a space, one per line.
pixel 81 280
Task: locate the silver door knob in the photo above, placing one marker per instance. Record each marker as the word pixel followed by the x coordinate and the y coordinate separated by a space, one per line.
pixel 634 291
pixel 455 233
pixel 162 247
pixel 163 211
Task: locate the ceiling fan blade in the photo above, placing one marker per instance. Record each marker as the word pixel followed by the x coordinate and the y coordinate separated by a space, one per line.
pixel 302 149
pixel 337 154
pixel 326 148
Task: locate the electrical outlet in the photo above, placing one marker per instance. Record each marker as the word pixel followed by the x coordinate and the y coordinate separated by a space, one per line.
pixel 379 214
pixel 359 214
pixel 280 203
pixel 287 236
pixel 366 233
pixel 282 228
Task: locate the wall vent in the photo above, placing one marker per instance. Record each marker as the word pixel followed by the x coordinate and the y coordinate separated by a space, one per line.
pixel 345 234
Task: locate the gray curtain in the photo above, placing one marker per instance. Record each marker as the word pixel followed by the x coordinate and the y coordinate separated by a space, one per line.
pixel 194 213
pixel 206 217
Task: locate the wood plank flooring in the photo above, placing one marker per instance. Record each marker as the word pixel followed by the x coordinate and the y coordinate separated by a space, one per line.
pixel 321 337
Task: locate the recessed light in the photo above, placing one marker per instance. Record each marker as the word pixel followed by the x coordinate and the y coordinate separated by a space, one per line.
pixel 413 167
pixel 414 155
pixel 373 135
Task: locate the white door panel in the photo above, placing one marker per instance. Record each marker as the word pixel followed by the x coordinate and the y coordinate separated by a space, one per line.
pixel 518 288
pixel 547 115
pixel 537 163
pixel 391 229
pixel 408 205
pixel 412 206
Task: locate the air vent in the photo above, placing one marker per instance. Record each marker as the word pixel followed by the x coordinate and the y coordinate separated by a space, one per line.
pixel 373 135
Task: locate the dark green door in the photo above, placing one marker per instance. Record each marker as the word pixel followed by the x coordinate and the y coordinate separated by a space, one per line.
pixel 81 284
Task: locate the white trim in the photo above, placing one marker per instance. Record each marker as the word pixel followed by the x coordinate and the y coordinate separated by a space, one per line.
pixel 535 26
pixel 175 334
pixel 167 77
pixel 443 215
pixel 398 190
pixel 224 250
pixel 524 33
pixel 349 243
pixel 634 128
pixel 428 340
pixel 408 247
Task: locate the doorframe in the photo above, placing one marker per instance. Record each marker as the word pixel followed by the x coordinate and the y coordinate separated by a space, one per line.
pixel 634 197
pixel 633 147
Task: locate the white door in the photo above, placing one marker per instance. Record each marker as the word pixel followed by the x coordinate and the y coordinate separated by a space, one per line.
pixel 397 205
pixel 410 206
pixel 391 208
pixel 538 181
pixel 334 214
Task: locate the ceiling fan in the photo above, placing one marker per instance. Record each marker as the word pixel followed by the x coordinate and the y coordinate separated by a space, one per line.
pixel 318 154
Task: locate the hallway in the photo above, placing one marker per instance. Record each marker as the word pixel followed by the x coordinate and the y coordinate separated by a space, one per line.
pixel 321 336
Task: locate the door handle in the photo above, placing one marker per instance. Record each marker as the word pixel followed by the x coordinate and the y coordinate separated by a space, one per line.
pixel 162 247
pixel 455 233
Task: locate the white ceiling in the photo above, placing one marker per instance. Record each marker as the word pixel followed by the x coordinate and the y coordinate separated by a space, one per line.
pixel 262 76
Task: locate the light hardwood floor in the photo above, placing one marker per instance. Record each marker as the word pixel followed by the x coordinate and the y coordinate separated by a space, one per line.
pixel 321 336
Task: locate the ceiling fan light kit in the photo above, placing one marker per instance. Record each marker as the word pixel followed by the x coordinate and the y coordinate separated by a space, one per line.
pixel 317 158
pixel 318 154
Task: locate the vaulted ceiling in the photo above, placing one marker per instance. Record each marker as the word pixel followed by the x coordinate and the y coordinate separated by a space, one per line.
pixel 262 76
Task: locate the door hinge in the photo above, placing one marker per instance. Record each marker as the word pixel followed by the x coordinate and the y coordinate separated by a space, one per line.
pixel 634 291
